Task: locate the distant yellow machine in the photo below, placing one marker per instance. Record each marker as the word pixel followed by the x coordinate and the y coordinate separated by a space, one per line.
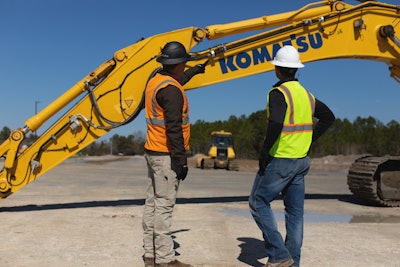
pixel 221 154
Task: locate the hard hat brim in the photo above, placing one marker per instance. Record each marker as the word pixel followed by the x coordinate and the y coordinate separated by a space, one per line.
pixel 172 61
pixel 296 65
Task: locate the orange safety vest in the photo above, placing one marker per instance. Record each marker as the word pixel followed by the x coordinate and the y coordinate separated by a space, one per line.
pixel 295 138
pixel 156 129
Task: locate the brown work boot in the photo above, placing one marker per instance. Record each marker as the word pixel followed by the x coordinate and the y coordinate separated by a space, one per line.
pixel 174 263
pixel 149 262
pixel 284 263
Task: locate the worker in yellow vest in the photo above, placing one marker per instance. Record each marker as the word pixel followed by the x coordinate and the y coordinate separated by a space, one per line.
pixel 168 133
pixel 283 159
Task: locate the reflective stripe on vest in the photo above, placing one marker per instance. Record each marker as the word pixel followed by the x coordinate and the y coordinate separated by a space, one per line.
pixel 292 127
pixel 155 120
pixel 295 138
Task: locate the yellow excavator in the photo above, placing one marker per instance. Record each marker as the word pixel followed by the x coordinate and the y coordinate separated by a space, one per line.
pixel 112 94
pixel 221 153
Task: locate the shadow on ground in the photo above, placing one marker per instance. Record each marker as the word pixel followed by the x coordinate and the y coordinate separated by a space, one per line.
pixel 251 251
pixel 136 202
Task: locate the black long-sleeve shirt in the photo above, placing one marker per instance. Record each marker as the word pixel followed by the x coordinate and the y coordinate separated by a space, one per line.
pixel 277 108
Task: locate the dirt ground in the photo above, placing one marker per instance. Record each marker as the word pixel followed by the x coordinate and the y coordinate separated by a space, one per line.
pixel 88 211
pixel 328 163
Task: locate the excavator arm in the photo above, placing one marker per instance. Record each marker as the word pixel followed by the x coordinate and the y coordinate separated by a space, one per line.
pixel 113 94
pixel 320 31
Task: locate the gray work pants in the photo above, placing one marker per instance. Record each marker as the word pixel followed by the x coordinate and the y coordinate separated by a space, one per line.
pixel 160 201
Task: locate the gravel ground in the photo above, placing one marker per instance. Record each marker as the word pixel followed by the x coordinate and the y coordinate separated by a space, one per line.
pixel 87 212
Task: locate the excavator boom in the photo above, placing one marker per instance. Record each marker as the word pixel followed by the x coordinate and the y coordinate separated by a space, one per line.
pixel 112 95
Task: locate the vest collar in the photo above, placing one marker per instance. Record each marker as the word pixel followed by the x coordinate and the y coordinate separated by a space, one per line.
pixel 285 80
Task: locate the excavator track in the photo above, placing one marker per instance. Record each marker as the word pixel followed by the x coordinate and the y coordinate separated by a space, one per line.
pixel 376 180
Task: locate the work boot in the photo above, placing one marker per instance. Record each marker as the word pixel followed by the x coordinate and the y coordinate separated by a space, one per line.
pixel 284 263
pixel 149 262
pixel 174 263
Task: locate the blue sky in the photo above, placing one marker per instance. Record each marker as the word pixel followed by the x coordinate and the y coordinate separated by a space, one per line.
pixel 48 45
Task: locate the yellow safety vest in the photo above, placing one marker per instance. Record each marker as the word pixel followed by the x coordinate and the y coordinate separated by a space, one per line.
pixel 296 136
pixel 156 129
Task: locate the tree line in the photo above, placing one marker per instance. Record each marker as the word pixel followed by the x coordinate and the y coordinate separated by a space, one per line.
pixel 362 136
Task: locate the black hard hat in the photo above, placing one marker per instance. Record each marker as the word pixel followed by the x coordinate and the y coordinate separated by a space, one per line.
pixel 173 53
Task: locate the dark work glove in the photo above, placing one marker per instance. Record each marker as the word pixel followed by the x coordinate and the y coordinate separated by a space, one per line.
pixel 201 68
pixel 263 162
pixel 180 169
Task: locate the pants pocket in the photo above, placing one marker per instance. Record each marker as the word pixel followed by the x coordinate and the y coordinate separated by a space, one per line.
pixel 283 168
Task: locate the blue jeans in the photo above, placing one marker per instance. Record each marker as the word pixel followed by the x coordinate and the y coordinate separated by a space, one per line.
pixel 283 176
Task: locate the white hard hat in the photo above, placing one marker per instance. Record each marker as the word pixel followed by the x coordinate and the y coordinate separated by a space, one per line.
pixel 288 57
